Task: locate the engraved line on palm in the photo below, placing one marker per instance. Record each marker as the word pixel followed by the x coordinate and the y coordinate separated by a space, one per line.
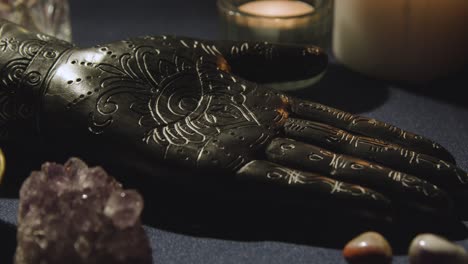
pixel 180 101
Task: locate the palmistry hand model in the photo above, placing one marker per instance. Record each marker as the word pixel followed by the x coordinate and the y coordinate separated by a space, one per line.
pixel 202 105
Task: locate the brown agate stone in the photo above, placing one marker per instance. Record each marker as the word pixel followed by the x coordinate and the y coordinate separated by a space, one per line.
pixel 368 248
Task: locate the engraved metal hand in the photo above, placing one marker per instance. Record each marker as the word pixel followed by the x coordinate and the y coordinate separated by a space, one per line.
pixel 198 104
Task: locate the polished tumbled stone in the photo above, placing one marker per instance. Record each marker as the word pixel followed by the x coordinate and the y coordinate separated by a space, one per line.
pixel 74 214
pixel 368 248
pixel 432 249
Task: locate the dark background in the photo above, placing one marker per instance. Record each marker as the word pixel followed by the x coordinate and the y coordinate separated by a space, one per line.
pixel 437 110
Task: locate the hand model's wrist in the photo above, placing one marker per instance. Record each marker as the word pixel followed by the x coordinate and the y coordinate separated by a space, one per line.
pixel 26 59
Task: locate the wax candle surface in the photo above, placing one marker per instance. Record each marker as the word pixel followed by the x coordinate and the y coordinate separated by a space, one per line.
pixel 277 8
pixel 409 40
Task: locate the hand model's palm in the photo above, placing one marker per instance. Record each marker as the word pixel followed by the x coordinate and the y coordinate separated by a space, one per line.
pixel 189 103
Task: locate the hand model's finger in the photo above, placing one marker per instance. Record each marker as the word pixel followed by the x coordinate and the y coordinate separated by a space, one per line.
pixel 312 188
pixel 391 155
pixel 398 186
pixel 274 63
pixel 368 127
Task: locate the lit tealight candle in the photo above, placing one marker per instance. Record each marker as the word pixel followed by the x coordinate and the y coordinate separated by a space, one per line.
pixel 277 8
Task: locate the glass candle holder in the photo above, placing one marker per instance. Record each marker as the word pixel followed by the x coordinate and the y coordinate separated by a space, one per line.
pixel 278 21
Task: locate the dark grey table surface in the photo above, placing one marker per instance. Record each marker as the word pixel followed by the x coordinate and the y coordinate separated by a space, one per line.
pixel 437 110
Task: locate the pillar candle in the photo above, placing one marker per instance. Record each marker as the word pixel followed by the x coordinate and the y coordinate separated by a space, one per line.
pixel 409 40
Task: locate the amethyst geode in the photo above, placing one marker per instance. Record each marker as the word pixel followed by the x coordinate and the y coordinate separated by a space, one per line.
pixel 74 214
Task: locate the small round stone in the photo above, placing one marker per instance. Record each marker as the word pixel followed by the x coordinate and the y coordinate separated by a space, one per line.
pixel 432 249
pixel 368 248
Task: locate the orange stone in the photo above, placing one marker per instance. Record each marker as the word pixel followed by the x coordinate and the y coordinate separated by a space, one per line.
pixel 368 248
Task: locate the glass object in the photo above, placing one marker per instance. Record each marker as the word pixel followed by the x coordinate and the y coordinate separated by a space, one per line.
pixel 47 16
pixel 280 21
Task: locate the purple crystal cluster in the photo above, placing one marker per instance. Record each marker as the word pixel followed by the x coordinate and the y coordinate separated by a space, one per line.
pixel 74 214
